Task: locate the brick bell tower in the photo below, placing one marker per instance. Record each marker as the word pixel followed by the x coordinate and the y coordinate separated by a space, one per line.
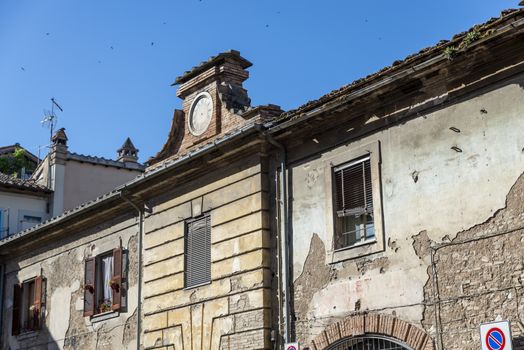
pixel 214 103
pixel 213 97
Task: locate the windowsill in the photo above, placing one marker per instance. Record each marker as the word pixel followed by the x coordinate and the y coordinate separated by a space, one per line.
pixel 355 251
pixel 104 316
pixel 27 335
pixel 198 285
pixel 359 244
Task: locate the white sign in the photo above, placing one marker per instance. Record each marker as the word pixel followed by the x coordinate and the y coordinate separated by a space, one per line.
pixel 292 346
pixel 495 336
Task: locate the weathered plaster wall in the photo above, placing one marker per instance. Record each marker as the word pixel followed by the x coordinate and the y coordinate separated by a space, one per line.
pixel 233 311
pixel 62 265
pixel 480 276
pixel 426 186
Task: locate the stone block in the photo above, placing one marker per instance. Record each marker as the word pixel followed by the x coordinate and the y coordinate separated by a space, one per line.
pixel 241 207
pixel 155 322
pixel 232 192
pixel 245 224
pixel 240 245
pixel 249 261
pixel 167 217
pixel 186 193
pixel 153 339
pixel 163 235
pixel 164 251
pixel 164 285
pixel 164 268
pixel 249 300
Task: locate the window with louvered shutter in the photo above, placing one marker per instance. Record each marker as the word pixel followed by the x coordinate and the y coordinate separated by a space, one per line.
pixel 198 252
pixel 17 305
pixel 353 203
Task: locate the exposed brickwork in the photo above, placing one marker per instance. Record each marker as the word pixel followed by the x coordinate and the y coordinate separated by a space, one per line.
pixel 373 323
pixel 481 279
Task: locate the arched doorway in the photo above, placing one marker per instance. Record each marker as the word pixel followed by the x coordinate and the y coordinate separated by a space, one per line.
pixel 372 331
pixel 368 342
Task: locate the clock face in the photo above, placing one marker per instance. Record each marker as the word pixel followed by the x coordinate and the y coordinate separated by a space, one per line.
pixel 200 113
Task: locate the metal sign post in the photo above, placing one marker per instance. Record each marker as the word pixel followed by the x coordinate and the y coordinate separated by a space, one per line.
pixel 496 336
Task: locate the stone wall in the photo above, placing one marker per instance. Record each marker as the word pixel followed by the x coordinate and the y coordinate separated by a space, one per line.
pixel 479 277
pixel 233 311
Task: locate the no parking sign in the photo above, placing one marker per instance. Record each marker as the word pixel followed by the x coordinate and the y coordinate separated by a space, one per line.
pixel 495 336
pixel 292 346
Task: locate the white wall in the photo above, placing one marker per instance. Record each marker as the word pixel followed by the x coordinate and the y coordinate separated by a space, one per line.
pixel 19 205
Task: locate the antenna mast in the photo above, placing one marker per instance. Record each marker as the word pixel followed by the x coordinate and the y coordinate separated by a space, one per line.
pixel 50 120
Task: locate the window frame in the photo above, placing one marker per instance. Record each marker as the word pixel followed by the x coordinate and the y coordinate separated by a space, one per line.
pixel 207 217
pixel 337 161
pixel 354 163
pixel 25 304
pixel 92 266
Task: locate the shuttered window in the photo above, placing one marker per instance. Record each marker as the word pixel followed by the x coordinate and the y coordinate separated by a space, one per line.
pixel 198 252
pixel 28 305
pixel 104 287
pixel 353 203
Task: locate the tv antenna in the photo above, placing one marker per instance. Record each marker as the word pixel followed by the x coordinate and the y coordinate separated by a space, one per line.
pixel 50 118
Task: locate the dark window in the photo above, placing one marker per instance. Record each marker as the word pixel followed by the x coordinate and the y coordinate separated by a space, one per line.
pixel 198 252
pixel 353 203
pixel 104 283
pixel 28 305
pixel 32 219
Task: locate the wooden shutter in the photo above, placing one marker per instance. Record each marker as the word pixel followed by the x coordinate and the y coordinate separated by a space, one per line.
pixel 89 287
pixel 198 252
pixel 116 281
pixel 353 188
pixel 37 302
pixel 17 309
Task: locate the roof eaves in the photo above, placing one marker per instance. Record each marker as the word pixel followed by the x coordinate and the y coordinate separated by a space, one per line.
pixel 411 63
pixel 166 166
pixel 212 61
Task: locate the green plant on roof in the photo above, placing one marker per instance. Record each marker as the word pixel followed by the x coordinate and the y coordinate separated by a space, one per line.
pixel 470 37
pixel 13 163
pixel 450 52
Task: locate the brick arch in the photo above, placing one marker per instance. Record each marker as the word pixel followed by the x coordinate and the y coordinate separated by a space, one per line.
pixel 373 323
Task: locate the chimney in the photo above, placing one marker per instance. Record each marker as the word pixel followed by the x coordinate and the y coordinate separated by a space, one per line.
pixel 128 152
pixel 57 165
pixel 59 147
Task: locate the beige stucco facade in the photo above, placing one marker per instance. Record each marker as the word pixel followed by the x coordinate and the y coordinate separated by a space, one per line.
pixel 234 308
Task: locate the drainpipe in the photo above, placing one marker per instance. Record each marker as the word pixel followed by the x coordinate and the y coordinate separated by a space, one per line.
pixel 140 234
pixel 284 237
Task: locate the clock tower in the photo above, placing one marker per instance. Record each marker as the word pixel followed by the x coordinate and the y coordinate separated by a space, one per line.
pixel 213 97
pixel 214 103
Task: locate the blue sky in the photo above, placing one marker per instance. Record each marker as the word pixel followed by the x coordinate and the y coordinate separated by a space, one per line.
pixel 110 63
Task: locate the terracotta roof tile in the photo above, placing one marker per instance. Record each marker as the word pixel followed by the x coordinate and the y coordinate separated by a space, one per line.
pixel 13 182
pixel 424 54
